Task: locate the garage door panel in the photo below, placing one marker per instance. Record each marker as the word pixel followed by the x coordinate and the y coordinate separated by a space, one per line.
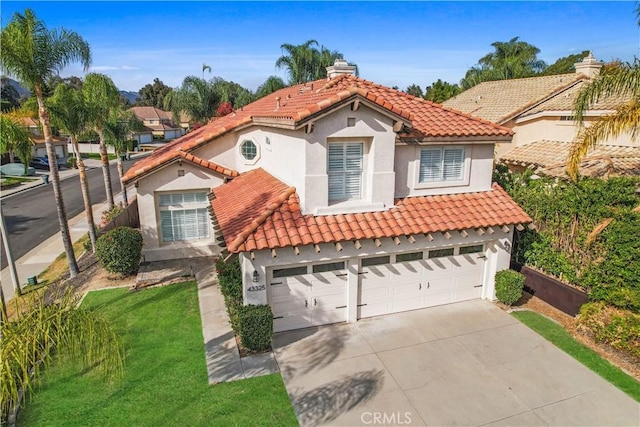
pixel 337 286
pixel 288 290
pixel 297 321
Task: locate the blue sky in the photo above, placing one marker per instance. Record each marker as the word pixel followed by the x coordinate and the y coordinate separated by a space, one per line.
pixel 393 43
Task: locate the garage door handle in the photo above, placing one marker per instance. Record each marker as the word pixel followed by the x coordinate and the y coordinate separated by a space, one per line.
pixel 361 305
pixel 341 275
pixel 342 306
pixel 306 303
pixel 419 286
pixel 482 257
pixel 278 317
pixel 276 283
pixel 478 286
pixel 315 302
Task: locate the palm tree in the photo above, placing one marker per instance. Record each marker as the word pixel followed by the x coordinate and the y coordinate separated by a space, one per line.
pixel 196 97
pixel 52 326
pixel 272 84
pixel 101 96
pixel 33 54
pixel 15 138
pixel 617 80
pixel 298 61
pixel 117 128
pixel 69 112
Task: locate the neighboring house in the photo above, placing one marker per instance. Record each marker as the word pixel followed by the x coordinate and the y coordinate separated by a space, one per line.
pixel 160 122
pixel 548 158
pixel 537 108
pixel 143 136
pixel 342 198
pixel 39 148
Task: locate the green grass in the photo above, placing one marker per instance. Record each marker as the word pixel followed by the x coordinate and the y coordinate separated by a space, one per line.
pixel 11 180
pixel 165 376
pixel 96 156
pixel 558 336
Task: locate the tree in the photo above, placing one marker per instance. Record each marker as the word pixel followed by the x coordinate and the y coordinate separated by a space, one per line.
pixel 415 90
pixel 565 64
pixel 509 60
pixel 232 92
pixel 619 80
pixel 117 128
pixel 153 95
pixel 272 84
pixel 440 91
pixel 15 138
pixel 53 327
pixel 69 112
pixel 9 96
pixel 101 96
pixel 196 97
pixel 305 62
pixel 33 54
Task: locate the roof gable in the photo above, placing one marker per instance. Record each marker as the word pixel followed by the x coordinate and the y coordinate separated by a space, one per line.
pixel 293 106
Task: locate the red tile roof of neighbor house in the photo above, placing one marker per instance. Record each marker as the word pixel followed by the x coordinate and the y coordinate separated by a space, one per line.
pixel 257 211
pixel 296 104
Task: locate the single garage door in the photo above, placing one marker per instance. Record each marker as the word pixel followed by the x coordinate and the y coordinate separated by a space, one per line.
pixel 418 279
pixel 306 296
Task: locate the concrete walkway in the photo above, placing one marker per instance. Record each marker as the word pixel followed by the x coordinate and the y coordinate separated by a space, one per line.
pixel 222 356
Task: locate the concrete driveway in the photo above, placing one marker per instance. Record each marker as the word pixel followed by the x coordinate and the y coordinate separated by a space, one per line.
pixel 461 364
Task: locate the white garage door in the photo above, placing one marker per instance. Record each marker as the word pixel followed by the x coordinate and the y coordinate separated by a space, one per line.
pixel 413 282
pixel 308 295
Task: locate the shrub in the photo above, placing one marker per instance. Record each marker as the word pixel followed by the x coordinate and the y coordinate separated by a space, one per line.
pixel 119 250
pixel 230 280
pixel 110 214
pixel 509 286
pixel 256 326
pixel 618 328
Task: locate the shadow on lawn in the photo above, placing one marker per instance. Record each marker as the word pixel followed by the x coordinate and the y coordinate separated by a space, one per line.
pixel 325 403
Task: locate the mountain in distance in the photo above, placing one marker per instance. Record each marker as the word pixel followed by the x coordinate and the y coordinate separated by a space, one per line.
pixel 132 97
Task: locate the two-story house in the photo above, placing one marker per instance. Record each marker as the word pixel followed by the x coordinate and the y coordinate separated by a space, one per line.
pixel 342 198
pixel 159 122
pixel 37 136
pixel 539 110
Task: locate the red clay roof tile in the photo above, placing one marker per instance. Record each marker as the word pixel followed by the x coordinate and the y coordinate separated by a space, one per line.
pixel 257 211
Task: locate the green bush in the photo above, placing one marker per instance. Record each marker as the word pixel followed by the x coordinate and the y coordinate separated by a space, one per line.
pixel 256 326
pixel 618 328
pixel 230 280
pixel 119 250
pixel 509 286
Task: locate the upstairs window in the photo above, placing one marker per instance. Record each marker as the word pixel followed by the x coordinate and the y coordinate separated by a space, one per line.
pixel 345 170
pixel 441 164
pixel 183 216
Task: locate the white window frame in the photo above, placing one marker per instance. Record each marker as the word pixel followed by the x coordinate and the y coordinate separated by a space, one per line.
pixel 441 182
pixel 346 171
pixel 172 212
pixel 245 160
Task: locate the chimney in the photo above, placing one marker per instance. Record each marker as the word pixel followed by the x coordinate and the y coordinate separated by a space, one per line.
pixel 589 66
pixel 340 66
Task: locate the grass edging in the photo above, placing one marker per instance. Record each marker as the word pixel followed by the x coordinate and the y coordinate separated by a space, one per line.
pixel 562 339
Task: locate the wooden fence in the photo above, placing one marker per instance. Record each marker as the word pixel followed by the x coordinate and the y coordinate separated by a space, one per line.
pixel 554 292
pixel 127 218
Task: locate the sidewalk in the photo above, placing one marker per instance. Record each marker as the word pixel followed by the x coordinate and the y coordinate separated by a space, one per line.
pixel 38 259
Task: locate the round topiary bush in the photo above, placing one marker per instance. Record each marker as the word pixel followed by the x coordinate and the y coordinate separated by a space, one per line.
pixel 119 250
pixel 509 286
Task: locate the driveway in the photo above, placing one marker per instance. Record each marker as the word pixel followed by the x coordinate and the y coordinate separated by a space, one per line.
pixel 461 364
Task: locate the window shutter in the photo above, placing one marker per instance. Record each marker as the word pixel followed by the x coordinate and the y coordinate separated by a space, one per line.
pixel 345 170
pixel 430 165
pixel 453 166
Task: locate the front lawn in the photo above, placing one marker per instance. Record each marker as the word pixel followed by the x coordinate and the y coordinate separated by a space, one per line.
pixel 165 376
pixel 558 336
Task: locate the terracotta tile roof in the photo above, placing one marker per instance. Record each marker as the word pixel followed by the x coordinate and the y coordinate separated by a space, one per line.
pixel 294 105
pixel 257 211
pixel 500 100
pixel 549 158
pixel 147 113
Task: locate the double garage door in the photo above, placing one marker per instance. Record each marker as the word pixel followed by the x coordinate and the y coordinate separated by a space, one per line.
pixel 313 295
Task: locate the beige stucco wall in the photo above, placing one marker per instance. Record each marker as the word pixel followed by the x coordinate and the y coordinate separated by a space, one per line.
pixel 166 179
pixel 478 164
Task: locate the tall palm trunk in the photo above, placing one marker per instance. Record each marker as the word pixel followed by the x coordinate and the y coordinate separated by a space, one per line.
pixel 106 173
pixel 84 186
pixel 55 182
pixel 125 198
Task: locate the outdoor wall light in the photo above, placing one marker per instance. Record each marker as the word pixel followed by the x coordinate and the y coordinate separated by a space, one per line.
pixel 256 276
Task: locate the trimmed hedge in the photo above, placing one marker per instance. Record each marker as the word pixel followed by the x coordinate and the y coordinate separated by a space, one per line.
pixel 119 250
pixel 509 285
pixel 230 280
pixel 256 326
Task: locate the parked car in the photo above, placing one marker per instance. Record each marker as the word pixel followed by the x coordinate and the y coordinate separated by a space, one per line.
pixel 40 163
pixel 16 169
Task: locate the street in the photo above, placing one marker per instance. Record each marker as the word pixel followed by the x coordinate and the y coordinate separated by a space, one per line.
pixel 31 216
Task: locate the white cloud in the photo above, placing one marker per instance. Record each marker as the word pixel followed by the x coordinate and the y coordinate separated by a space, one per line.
pixel 112 68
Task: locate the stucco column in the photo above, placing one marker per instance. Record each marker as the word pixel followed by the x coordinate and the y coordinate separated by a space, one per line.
pixel 253 293
pixel 498 258
pixel 353 266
